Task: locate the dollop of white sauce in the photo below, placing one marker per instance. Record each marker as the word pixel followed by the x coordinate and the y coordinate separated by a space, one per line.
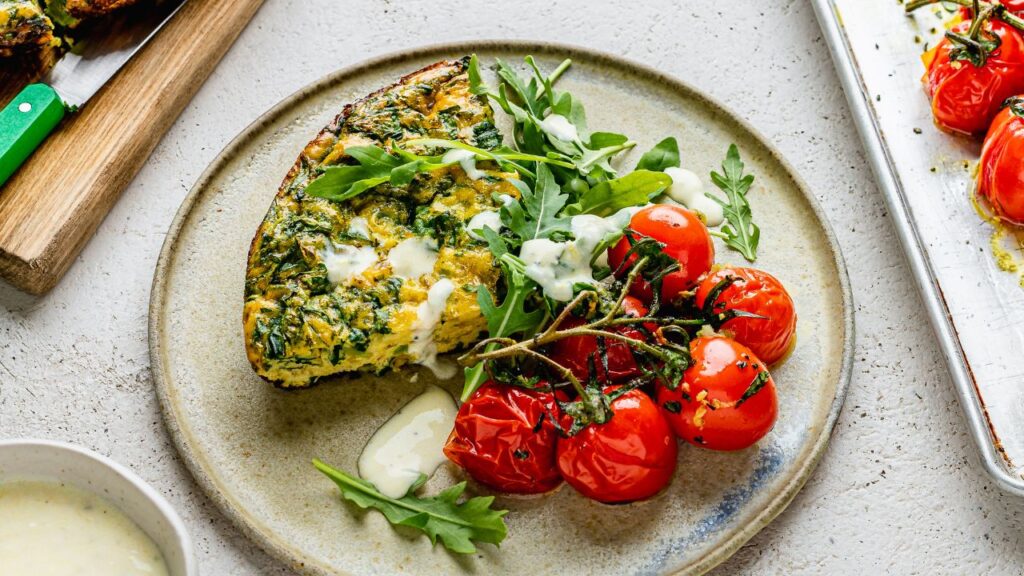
pixel 49 529
pixel 558 266
pixel 560 128
pixel 347 262
pixel 688 190
pixel 358 226
pixel 486 219
pixel 413 257
pixel 423 349
pixel 409 444
pixel 466 159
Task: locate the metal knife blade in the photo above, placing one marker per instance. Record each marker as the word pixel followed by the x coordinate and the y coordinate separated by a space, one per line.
pixel 98 56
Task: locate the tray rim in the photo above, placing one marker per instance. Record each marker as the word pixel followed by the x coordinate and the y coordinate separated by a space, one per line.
pixel 920 264
pixel 194 462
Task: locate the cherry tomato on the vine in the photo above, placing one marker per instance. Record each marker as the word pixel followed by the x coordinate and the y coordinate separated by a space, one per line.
pixel 965 97
pixel 630 457
pixel 686 241
pixel 756 292
pixel 723 402
pixel 1001 173
pixel 504 437
pixel 575 352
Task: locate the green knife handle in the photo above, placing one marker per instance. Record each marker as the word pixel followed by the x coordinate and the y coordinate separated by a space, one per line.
pixel 24 123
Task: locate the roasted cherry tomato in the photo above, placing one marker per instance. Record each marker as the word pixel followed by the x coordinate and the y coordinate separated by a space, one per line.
pixel 727 399
pixel 965 97
pixel 1001 176
pixel 1014 6
pixel 575 352
pixel 630 457
pixel 504 438
pixel 756 292
pixel 686 240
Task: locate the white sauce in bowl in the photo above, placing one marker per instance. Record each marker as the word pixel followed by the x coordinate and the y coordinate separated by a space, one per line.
pixel 409 444
pixel 51 529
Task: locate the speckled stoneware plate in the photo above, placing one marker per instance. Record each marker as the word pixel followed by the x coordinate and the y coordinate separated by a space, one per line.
pixel 250 445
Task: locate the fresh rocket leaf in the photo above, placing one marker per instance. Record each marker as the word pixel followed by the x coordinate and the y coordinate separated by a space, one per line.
pixel 476 80
pixel 739 233
pixel 664 155
pixel 536 215
pixel 457 525
pixel 610 196
pixel 511 317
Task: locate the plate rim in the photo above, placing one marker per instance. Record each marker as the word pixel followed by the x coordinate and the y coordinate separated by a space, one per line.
pixel 263 537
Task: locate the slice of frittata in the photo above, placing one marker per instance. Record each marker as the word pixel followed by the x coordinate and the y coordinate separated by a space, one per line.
pixel 23 24
pixel 390 276
pixel 91 8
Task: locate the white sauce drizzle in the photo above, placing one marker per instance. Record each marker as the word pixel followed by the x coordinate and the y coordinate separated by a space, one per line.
pixel 423 349
pixel 688 190
pixel 486 219
pixel 466 159
pixel 557 266
pixel 413 257
pixel 47 529
pixel 409 444
pixel 358 226
pixel 347 262
pixel 559 127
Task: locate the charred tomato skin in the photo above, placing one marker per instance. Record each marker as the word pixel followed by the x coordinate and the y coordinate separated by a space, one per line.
pixel 686 241
pixel 757 292
pixel 1001 173
pixel 966 97
pixel 574 352
pixel 630 457
pixel 505 439
pixel 706 409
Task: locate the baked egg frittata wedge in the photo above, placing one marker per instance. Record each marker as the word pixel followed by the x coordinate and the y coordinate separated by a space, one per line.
pixel 387 277
pixel 23 23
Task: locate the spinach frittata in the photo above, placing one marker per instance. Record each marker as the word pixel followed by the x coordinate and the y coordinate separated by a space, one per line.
pixel 337 287
pixel 88 8
pixel 23 23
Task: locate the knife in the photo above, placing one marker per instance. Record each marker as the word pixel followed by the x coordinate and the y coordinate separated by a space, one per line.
pixel 30 117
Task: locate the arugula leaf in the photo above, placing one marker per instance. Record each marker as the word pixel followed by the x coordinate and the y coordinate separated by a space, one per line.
pixel 346 181
pixel 739 233
pixel 536 215
pixel 457 525
pixel 665 154
pixel 610 196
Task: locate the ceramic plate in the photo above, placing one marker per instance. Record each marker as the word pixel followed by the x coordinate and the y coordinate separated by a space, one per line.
pixel 250 445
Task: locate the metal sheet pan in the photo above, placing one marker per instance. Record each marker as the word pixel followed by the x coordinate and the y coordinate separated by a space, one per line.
pixel 926 179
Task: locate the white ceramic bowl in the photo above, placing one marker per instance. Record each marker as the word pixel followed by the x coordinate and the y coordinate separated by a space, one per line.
pixel 89 471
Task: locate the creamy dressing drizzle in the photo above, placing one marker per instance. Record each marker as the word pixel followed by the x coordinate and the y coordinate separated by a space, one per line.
pixel 559 127
pixel 423 349
pixel 466 159
pixel 486 219
pixel 409 444
pixel 688 190
pixel 558 266
pixel 358 226
pixel 48 529
pixel 346 262
pixel 413 257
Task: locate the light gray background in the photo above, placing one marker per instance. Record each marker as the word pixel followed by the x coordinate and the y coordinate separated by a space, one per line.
pixel 899 490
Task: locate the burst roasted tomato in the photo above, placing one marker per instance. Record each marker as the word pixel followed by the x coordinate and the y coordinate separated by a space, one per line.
pixel 756 292
pixel 1001 173
pixel 965 96
pixel 630 457
pixel 1014 6
pixel 575 352
pixel 504 438
pixel 727 399
pixel 686 241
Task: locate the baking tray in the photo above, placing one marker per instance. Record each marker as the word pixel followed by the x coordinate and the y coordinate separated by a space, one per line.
pixel 926 179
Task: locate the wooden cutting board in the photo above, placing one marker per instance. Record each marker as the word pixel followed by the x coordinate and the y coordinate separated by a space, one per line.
pixel 50 208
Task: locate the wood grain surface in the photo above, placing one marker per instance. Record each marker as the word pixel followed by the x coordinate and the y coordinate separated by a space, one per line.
pixel 50 208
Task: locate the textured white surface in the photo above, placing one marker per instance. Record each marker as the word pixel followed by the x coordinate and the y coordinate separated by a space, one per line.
pixel 898 491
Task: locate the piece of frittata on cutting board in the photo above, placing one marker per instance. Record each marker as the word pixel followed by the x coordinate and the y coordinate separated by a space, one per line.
pixel 23 24
pixel 390 276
